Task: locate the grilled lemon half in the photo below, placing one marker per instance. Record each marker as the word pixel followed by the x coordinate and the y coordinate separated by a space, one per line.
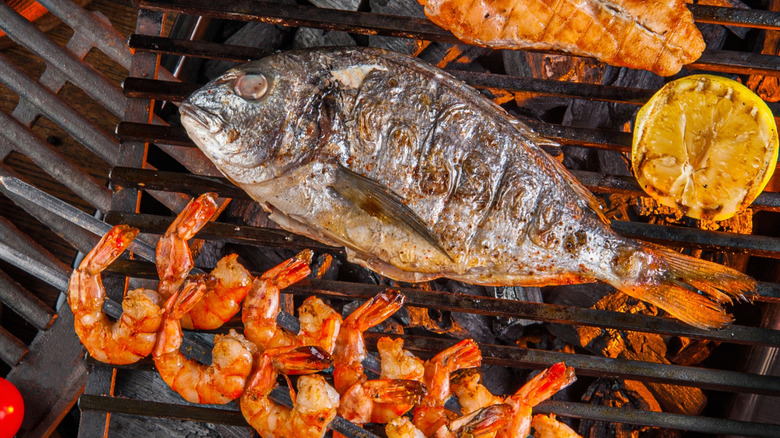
pixel 706 145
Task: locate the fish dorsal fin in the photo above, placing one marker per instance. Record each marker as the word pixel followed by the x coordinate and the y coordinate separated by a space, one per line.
pixel 553 148
pixel 380 202
pixel 582 192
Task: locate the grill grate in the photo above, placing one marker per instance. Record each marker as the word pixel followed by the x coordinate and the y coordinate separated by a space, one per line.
pixel 132 179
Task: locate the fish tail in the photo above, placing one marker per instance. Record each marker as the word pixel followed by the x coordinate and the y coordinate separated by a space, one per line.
pixel 690 289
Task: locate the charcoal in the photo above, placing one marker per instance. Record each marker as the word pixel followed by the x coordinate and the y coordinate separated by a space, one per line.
pixel 531 294
pixel 451 55
pixel 619 393
pixel 498 380
pixel 344 5
pixel 736 30
pixel 630 345
pixel 581 295
pixel 552 67
pixel 247 212
pixel 325 267
pixel 307 37
pixel 611 116
pixel 768 87
pixel 153 388
pixel 254 34
pixel 410 8
pixel 516 63
pixel 401 45
pixel 210 253
pixel 691 351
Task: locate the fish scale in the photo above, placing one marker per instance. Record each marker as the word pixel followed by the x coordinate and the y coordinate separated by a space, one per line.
pixel 467 194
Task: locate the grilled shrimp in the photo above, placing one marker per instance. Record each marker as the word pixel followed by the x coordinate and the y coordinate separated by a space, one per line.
pixel 227 285
pixel 218 383
pixel 174 258
pixel 379 400
pixel 351 346
pixel 397 363
pixel 548 427
pixel 482 423
pixel 364 400
pixel 132 336
pixel 319 322
pixel 314 406
pixel 431 414
pixel 472 395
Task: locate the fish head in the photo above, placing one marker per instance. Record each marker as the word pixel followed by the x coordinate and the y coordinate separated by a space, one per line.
pixel 257 120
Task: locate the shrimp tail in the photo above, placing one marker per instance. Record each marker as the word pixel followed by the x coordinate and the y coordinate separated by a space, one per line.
pixel 377 309
pixel 108 249
pixel 545 384
pixel 690 289
pixel 483 422
pixel 301 360
pixel 195 215
pixel 395 391
pixel 181 302
pixel 464 354
pixel 111 246
pixel 290 271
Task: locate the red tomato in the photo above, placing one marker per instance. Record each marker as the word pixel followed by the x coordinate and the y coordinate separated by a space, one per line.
pixel 11 409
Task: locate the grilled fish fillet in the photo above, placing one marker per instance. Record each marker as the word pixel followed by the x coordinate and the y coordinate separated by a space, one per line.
pixel 655 35
pixel 418 176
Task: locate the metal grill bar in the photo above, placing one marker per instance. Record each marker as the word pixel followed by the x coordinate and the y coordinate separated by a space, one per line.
pixel 711 425
pixel 563 409
pixel 70 213
pixel 412 27
pixel 144 132
pixel 12 350
pixel 194 185
pixel 586 366
pixel 141 88
pixel 59 112
pixel 75 236
pixel 149 408
pixel 77 71
pixel 54 163
pixel 758 19
pixel 22 301
pixel 496 306
pixel 197 413
pixel 178 91
pixel 512 356
pixel 565 135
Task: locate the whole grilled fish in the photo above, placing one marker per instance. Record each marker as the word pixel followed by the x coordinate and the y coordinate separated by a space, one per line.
pixel 655 35
pixel 418 176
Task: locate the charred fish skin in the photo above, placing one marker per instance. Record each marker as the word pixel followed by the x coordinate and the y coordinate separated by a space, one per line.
pixel 418 176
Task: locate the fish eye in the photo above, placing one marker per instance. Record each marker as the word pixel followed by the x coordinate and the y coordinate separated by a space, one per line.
pixel 252 86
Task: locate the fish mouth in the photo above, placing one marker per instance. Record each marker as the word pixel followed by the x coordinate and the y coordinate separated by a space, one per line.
pixel 200 116
pixel 189 110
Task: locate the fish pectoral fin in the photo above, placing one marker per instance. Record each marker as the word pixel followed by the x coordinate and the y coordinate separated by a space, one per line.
pixel 381 203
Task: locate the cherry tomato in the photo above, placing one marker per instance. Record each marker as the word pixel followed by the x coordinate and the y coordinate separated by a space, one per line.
pixel 11 409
